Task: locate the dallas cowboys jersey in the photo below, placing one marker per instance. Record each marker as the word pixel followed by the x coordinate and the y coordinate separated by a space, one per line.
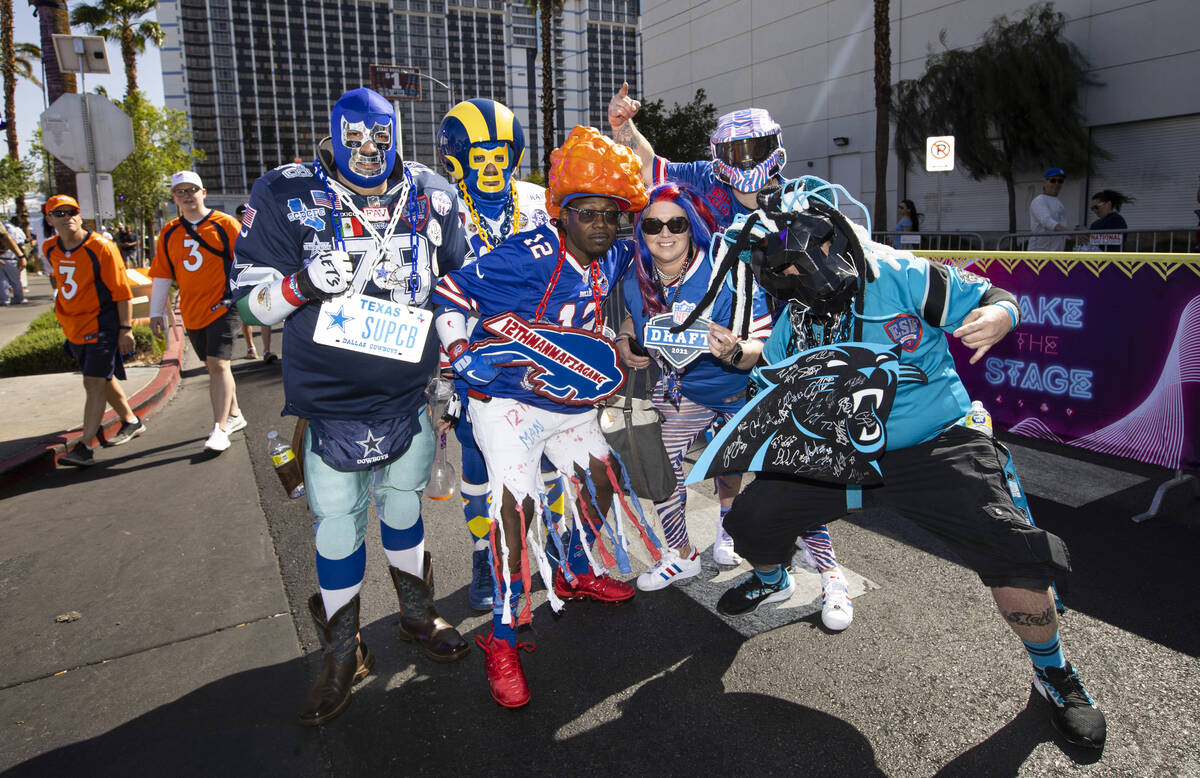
pixel 700 176
pixel 708 380
pixel 289 221
pixel 531 201
pixel 913 303
pixel 513 277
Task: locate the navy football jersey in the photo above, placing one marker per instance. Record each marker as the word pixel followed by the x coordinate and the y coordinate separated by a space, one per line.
pixel 514 277
pixel 289 222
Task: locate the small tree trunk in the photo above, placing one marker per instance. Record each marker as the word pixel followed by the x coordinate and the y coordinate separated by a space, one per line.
pixel 1012 199
pixel 54 19
pixel 546 10
pixel 883 102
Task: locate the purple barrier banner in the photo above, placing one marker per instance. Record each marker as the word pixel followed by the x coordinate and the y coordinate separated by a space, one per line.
pixel 1107 356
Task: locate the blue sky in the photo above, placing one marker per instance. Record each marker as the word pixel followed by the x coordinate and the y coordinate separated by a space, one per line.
pixel 29 99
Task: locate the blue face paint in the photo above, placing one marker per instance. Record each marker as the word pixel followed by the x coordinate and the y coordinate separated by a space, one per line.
pixel 363 129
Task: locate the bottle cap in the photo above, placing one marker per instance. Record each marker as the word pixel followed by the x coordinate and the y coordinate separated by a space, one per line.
pixel 272 434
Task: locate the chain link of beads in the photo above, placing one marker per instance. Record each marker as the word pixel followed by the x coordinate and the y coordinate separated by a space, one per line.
pixel 512 216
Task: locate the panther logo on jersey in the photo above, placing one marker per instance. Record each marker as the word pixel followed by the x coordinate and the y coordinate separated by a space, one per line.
pixel 823 415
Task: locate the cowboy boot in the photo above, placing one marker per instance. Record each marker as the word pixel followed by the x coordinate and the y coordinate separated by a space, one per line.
pixel 419 619
pixel 345 661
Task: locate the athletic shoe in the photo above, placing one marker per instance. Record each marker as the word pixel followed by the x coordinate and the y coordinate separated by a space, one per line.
pixel 837 609
pixel 723 553
pixel 502 661
pixel 268 357
pixel 251 354
pixel 752 593
pixel 218 441
pixel 1075 714
pixel 479 592
pixel 235 423
pixel 586 586
pixel 128 431
pixel 79 456
pixel 670 568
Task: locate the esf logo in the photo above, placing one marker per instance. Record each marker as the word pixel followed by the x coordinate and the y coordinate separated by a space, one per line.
pixel 309 217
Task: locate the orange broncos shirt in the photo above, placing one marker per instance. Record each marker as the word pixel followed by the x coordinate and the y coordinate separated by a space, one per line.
pixel 89 282
pixel 200 272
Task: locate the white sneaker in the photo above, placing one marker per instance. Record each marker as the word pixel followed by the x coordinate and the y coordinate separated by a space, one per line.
pixel 723 553
pixel 670 568
pixel 235 423
pixel 218 440
pixel 837 609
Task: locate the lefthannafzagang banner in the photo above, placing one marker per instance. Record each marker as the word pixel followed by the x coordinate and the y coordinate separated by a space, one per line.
pixel 1107 356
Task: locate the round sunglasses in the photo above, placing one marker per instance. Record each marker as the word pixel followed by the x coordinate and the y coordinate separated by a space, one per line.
pixel 677 225
pixel 587 215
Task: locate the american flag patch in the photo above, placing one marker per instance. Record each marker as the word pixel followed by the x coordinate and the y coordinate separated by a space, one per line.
pixel 321 199
pixel 248 217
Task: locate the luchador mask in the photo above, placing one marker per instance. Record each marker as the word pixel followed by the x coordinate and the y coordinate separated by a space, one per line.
pixel 475 137
pixel 363 127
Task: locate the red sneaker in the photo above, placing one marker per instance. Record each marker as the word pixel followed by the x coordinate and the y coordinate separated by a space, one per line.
pixel 604 588
pixel 502 661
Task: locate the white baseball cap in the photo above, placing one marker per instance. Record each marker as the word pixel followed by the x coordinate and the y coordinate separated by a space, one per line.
pixel 186 177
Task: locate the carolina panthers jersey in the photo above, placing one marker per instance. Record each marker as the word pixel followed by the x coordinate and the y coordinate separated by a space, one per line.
pixel 531 203
pixel 700 176
pixel 289 222
pixel 514 277
pixel 915 304
pixel 708 381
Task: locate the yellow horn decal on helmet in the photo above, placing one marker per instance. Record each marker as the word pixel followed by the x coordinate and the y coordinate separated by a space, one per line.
pixel 456 170
pixel 504 123
pixel 473 121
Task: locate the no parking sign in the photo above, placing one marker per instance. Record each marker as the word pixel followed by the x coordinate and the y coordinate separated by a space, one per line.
pixel 939 153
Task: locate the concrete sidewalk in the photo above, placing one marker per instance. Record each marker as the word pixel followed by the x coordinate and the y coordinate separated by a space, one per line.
pixel 43 412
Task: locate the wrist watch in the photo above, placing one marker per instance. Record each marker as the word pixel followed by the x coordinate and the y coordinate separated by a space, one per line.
pixel 736 356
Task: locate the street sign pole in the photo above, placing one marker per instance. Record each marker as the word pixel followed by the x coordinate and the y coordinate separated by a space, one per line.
pixel 86 110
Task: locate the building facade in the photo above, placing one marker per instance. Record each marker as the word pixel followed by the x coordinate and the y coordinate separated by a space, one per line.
pixel 811 64
pixel 257 78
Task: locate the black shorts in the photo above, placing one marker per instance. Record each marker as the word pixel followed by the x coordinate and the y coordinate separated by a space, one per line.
pixel 216 340
pixel 954 487
pixel 100 358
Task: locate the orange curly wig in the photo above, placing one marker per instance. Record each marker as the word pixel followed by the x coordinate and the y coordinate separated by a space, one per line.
pixel 589 163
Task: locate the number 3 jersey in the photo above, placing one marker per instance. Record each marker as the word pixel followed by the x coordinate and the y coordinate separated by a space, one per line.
pixel 89 282
pixel 199 261
pixel 290 221
pixel 513 277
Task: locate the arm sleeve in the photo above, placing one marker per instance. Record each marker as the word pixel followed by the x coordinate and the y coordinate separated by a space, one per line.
pixel 158 297
pixel 1040 217
pixel 490 284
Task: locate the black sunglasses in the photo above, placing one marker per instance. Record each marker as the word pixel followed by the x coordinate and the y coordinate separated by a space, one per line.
pixel 587 215
pixel 1055 180
pixel 59 213
pixel 676 225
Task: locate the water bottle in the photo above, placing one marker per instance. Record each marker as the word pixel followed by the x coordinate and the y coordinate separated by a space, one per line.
pixel 287 467
pixel 442 477
pixel 979 419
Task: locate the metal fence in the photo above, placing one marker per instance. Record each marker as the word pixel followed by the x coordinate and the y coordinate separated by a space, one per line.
pixel 931 241
pixel 1181 240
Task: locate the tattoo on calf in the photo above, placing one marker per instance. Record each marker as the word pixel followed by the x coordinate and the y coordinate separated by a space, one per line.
pixel 1022 619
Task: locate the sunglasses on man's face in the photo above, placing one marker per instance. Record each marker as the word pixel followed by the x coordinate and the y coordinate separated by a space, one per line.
pixel 587 215
pixel 60 213
pixel 1055 180
pixel 676 225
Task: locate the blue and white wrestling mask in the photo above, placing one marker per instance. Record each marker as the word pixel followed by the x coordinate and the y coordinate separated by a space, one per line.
pixel 360 117
pixel 747 149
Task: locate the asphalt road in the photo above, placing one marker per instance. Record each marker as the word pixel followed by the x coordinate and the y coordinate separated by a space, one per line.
pixel 927 681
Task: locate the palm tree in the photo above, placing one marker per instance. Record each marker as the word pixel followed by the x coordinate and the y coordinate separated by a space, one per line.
pixel 546 10
pixel 53 19
pixel 117 20
pixel 15 61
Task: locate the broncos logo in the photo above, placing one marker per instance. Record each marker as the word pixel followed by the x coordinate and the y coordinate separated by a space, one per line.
pixel 567 365
pixel 823 416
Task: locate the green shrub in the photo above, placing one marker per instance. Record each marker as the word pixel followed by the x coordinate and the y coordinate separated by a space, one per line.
pixel 39 351
pixel 44 321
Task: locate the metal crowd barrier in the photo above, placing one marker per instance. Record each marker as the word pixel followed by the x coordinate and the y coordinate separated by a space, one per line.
pixel 931 241
pixel 1180 240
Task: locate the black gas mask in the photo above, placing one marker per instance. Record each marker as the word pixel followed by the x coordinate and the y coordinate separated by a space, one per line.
pixel 821 247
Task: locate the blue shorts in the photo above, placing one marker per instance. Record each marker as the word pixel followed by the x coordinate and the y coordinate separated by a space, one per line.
pixel 99 359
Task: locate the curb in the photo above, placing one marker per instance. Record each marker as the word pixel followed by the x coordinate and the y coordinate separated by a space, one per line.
pixel 42 457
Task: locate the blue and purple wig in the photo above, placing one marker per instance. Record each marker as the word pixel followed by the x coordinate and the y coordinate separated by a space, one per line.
pixel 702 225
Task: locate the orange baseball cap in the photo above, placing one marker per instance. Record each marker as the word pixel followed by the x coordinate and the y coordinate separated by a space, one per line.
pixel 58 201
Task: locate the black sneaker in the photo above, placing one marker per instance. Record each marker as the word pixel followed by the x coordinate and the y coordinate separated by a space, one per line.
pixel 751 593
pixel 79 456
pixel 129 430
pixel 1075 714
